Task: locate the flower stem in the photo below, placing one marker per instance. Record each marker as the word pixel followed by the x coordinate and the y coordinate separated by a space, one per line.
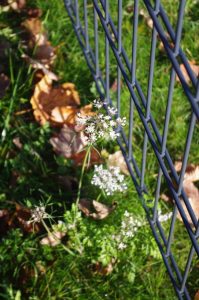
pixel 82 174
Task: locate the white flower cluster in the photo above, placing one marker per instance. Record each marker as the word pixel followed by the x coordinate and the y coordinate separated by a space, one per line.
pixel 100 126
pixel 38 214
pixel 165 217
pixel 129 227
pixel 110 180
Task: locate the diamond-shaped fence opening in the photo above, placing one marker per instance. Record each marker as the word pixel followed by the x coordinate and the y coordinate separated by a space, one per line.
pixel 131 59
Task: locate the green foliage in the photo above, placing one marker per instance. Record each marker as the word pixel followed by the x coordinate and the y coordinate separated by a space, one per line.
pixel 30 175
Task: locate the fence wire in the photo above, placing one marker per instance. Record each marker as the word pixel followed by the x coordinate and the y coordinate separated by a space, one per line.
pixel 93 22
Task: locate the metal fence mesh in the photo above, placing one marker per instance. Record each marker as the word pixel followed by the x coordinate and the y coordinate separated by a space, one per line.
pixel 100 31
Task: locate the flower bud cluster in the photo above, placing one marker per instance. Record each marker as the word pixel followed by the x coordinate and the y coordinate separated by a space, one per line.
pixel 38 214
pixel 110 180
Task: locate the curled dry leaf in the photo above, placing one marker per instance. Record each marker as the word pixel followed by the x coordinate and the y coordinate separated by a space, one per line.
pixel 33 12
pixel 104 270
pixel 192 192
pixel 196 297
pixel 117 160
pixel 16 141
pixel 95 209
pixel 53 239
pixel 4 84
pixel 114 85
pixel 18 219
pixel 45 54
pixel 56 105
pixel 194 67
pixel 94 158
pixel 17 5
pixel 21 218
pixel 68 142
pixel 34 34
pixel 193 198
pixel 191 173
pixel 39 66
pixel 36 37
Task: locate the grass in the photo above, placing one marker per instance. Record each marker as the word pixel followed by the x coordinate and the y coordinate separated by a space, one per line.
pixel 31 175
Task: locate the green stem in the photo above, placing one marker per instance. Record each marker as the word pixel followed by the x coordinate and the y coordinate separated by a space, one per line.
pixel 99 196
pixel 82 174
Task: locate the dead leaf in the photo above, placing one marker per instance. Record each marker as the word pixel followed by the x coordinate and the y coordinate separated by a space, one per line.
pixel 192 192
pixel 33 12
pixel 17 5
pixel 193 197
pixel 68 142
pixel 95 209
pixel 114 86
pixel 191 173
pixel 146 18
pixel 194 67
pixel 53 239
pixel 95 158
pixel 4 84
pixel 33 33
pixel 56 105
pixel 16 141
pixel 21 218
pixel 117 160
pixel 196 297
pixel 45 54
pixel 39 66
pixel 104 270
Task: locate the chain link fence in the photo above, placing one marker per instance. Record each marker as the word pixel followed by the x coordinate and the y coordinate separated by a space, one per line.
pixel 98 25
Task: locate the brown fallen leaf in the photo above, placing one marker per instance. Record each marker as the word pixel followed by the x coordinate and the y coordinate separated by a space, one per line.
pixel 95 209
pixel 53 239
pixel 114 86
pixel 40 66
pixel 68 142
pixel 54 104
pixel 4 84
pixel 196 297
pixel 95 158
pixel 45 54
pixel 33 33
pixel 117 160
pixel 104 270
pixel 194 67
pixel 192 192
pixel 33 12
pixel 191 173
pixel 16 141
pixel 21 218
pixel 16 5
